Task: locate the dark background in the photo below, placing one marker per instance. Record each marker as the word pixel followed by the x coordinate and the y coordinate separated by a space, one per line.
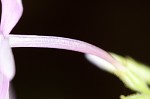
pixel 113 25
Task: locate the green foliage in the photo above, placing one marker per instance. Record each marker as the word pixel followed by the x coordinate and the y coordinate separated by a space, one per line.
pixel 135 96
pixel 136 77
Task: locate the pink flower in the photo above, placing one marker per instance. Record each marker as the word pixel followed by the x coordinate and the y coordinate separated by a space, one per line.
pixel 11 13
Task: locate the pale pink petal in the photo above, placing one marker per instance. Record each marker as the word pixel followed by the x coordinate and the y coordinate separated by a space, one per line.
pixel 7 96
pixel 4 87
pixel 11 13
pixel 7 65
pixel 61 43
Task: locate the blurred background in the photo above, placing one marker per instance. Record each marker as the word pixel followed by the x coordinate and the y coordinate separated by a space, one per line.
pixel 117 26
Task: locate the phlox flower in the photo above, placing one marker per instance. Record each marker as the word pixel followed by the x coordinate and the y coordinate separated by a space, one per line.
pixel 11 13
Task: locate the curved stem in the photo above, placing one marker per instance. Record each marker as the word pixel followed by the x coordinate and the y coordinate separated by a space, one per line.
pixel 61 43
